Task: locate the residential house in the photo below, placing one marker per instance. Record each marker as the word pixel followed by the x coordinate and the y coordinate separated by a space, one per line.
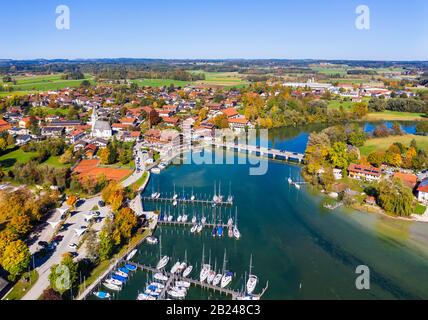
pixel 4 125
pixel 24 123
pixel 408 179
pixel 90 150
pixel 76 135
pixel 22 139
pixel 423 191
pixel 239 124
pixel 52 131
pixel 363 172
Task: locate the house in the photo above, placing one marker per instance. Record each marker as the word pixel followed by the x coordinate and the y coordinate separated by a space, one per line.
pixel 408 179
pixel 76 135
pixel 152 135
pixel 423 191
pixel 4 125
pixel 79 145
pixel 171 121
pixel 230 113
pixel 363 172
pixel 53 131
pixel 22 139
pixel 337 174
pixel 128 121
pixel 130 136
pixel 24 122
pixel 90 150
pixel 239 124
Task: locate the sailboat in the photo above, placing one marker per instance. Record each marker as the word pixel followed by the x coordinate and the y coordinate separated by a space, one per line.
pixel 193 196
pixel 220 197
pixel 290 181
pixel 194 228
pixel 185 217
pixel 163 261
pixel 175 267
pixel 160 277
pixel 215 197
pixel 212 273
pixel 174 197
pixel 252 279
pixel 170 216
pixel 199 228
pixel 227 275
pixel 230 197
pixel 230 221
pixel 205 267
pixel 214 232
pixel 187 271
pixel 203 219
pixel 154 194
pixel 220 228
pixel 236 232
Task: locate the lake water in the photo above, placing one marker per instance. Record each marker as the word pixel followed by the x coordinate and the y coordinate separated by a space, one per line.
pixel 301 249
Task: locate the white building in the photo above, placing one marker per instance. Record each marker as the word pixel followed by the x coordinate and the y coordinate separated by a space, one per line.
pixel 100 129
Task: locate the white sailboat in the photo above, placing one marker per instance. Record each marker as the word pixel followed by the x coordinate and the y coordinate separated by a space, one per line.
pixel 226 279
pixel 131 254
pixel 192 198
pixel 176 295
pixel 182 284
pixel 290 181
pixel 163 260
pixel 175 267
pixel 252 279
pixel 194 219
pixel 194 228
pixel 199 228
pixel 112 286
pixel 217 279
pixel 236 232
pixel 205 267
pixel 187 271
pixel 230 197
pixel 184 217
pixel 174 197
pixel 160 277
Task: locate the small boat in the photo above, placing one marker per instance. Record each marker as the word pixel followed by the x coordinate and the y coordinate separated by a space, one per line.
pixel 290 181
pixel 297 186
pixel 211 276
pixel 175 267
pixel 204 272
pixel 182 267
pixel 187 271
pixel 170 218
pixel 152 293
pixel 174 203
pixel 143 296
pixel 114 281
pixel 194 228
pixel 102 295
pixel 130 267
pixel 153 195
pixel 179 289
pixel 112 286
pixel 252 283
pixel 203 220
pixel 165 218
pixel 244 297
pixel 175 196
pixel 118 277
pixel 226 279
pixel 217 279
pixel 157 195
pixel 131 254
pixel 162 262
pixel 194 219
pixel 192 198
pixel 162 166
pixel 230 232
pixel 152 288
pixel 160 277
pixel 183 284
pixel 185 217
pixel 199 228
pixel 236 232
pixel 155 170
pixel 220 231
pixel 124 270
pixel 121 274
pixel 179 218
pixel 152 240
pixel 230 222
pixel 214 232
pixel 157 284
pixel 176 295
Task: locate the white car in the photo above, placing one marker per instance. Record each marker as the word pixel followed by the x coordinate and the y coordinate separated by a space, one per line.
pixel 72 246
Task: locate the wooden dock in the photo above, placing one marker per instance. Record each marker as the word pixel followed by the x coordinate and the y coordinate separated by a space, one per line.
pixel 189 201
pixel 190 224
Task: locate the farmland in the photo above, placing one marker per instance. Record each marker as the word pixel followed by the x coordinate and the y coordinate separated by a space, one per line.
pixel 395 116
pixel 382 144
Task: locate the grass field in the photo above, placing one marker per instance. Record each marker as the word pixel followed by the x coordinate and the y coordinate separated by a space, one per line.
pixel 335 104
pixel 18 156
pixel 160 82
pixel 22 286
pixel 53 161
pixel 395 116
pixel 382 144
pixel 25 85
pixel 62 112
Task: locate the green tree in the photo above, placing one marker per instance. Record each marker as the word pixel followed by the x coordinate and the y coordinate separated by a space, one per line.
pixel 15 258
pixel 338 155
pixel 106 243
pixel 395 198
pixel 64 276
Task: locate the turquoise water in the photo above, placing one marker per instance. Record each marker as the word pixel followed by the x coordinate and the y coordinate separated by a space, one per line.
pixel 301 249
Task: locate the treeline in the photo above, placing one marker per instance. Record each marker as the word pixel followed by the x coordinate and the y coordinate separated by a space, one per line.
pixel 398 104
pixel 73 75
pixel 130 73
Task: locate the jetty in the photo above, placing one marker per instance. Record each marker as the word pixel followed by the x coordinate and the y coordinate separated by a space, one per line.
pixel 188 201
pixel 190 224
pixel 261 151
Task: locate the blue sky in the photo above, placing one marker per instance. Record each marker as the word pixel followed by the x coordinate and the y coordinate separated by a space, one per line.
pixel 298 29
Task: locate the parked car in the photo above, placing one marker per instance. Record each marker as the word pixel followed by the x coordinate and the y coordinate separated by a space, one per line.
pixel 43 244
pixel 72 245
pixel 101 203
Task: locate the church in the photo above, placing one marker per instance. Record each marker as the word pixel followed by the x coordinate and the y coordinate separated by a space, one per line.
pixel 100 129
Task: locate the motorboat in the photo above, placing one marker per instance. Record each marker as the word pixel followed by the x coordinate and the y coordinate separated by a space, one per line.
pixel 152 240
pixel 194 228
pixel 203 220
pixel 114 281
pixel 180 218
pixel 143 296
pixel 187 271
pixel 175 267
pixel 165 218
pixel 252 283
pixel 182 267
pixel 152 288
pixel 183 284
pixel 226 279
pixel 192 198
pixel 220 231
pixel 162 262
pixel 179 289
pixel 131 254
pixel 170 218
pixel 230 232
pixel 124 270
pixel 112 286
pixel 131 267
pixel 230 222
pixel 160 277
pixel 157 284
pixel 121 273
pixel 297 186
pixel 176 295
pixel 102 295
pixel 185 217
pixel 214 232
pixel 119 278
pixel 157 195
pixel 194 219
pixel 217 279
pixel 174 203
pixel 155 170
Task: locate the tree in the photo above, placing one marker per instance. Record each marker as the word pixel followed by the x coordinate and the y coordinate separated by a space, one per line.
pixel 66 157
pixel 104 155
pixel 50 294
pixel 15 258
pixel 92 246
pixel 360 109
pixel 376 158
pixel 3 144
pixel 6 237
pixel 338 155
pixel 71 200
pixel 20 224
pixel 64 276
pixel 106 244
pixel 327 178
pixel 395 198
pixel 125 221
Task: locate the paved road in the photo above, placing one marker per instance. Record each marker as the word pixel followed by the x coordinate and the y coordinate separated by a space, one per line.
pixel 76 221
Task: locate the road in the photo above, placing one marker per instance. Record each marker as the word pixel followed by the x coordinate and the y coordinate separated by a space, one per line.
pixel 75 221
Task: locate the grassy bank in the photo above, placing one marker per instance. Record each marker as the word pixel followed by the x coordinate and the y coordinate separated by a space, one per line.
pixel 382 144
pixel 395 116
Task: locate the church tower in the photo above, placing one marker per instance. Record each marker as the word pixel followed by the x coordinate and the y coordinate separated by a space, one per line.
pixel 94 118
